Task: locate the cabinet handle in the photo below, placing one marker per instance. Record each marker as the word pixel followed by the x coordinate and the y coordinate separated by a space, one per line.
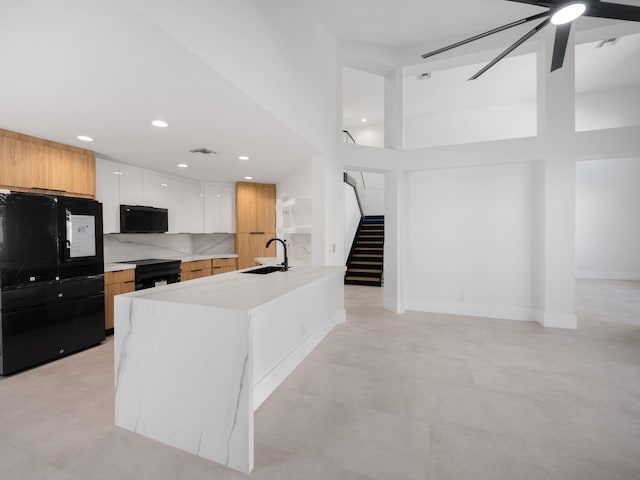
pixel 256 233
pixel 198 270
pixel 216 267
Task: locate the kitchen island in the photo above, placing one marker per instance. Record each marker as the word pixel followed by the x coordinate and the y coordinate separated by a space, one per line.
pixel 194 360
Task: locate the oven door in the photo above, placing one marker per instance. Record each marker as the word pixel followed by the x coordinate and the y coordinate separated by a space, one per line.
pixel 156 278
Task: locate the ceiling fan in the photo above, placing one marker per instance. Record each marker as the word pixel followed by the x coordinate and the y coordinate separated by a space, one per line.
pixel 560 13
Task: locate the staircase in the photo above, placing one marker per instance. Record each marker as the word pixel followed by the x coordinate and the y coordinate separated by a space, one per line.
pixel 364 266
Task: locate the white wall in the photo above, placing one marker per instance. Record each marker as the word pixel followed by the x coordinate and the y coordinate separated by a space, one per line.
pixel 469 241
pixel 298 184
pixel 371 135
pixel 451 128
pixel 594 110
pixel 607 219
pixel 608 109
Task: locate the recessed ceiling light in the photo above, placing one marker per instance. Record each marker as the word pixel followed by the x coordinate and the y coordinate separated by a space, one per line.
pixel 364 120
pixel 84 138
pixel 183 165
pixel 243 157
pixel 218 195
pixel 160 123
pixel 164 184
pixel 248 178
pixel 568 13
pixel 117 173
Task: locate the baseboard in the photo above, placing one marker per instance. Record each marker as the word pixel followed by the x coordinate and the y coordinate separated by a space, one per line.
pixel 595 275
pixel 393 305
pixel 548 320
pixel 473 310
pixel 267 384
pixel 560 320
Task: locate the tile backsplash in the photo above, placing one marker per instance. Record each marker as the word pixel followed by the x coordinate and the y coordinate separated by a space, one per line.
pixel 120 247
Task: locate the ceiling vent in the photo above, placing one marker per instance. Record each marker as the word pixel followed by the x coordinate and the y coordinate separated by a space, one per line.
pixel 204 151
pixel 609 41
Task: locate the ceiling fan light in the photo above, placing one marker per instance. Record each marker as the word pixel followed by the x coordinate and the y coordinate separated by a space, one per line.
pixel 568 13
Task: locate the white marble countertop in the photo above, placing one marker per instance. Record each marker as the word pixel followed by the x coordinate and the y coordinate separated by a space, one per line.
pixel 115 266
pixel 269 260
pixel 237 290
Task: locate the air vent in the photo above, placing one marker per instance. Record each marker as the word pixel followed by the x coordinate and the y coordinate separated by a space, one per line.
pixel 609 41
pixel 204 151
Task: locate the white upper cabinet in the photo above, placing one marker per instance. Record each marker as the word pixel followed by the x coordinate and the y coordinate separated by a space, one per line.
pixel 166 192
pixel 108 193
pixel 219 208
pixel 131 186
pixel 193 208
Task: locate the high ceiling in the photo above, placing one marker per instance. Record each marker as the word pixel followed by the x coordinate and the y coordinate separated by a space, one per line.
pixel 408 22
pixel 403 23
pixel 104 69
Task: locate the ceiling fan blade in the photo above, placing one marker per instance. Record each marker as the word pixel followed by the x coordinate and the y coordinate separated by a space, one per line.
pixel 560 45
pixel 523 39
pixel 546 4
pixel 486 34
pixel 614 11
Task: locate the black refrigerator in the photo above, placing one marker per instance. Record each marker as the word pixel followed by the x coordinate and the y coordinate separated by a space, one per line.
pixel 51 278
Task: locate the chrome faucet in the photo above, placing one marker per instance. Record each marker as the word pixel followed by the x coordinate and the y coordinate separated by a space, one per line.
pixel 286 258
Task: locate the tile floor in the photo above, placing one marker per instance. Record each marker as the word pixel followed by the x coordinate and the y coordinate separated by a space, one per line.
pixel 385 397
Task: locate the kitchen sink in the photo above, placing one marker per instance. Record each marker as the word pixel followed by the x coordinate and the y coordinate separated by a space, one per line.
pixel 265 270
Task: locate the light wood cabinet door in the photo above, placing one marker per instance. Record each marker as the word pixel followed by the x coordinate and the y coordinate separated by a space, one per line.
pixel 21 164
pixel 195 269
pixel 255 207
pixel 33 164
pixel 116 283
pixel 71 172
pixel 251 246
pixel 246 207
pixel 266 210
pixel 223 265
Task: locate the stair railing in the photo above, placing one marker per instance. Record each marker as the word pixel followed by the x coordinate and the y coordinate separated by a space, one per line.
pixel 347 137
pixel 349 180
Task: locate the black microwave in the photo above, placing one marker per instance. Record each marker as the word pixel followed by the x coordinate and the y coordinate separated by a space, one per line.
pixel 139 219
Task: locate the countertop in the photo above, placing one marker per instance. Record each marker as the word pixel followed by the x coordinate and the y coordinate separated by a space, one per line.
pixel 113 267
pixel 237 290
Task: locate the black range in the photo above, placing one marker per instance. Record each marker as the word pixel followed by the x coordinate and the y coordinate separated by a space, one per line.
pixel 153 272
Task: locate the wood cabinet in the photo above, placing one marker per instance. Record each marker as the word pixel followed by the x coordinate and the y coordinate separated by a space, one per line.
pixel 37 165
pixel 116 283
pixel 223 265
pixel 195 269
pixel 204 268
pixel 250 246
pixel 255 207
pixel 255 221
